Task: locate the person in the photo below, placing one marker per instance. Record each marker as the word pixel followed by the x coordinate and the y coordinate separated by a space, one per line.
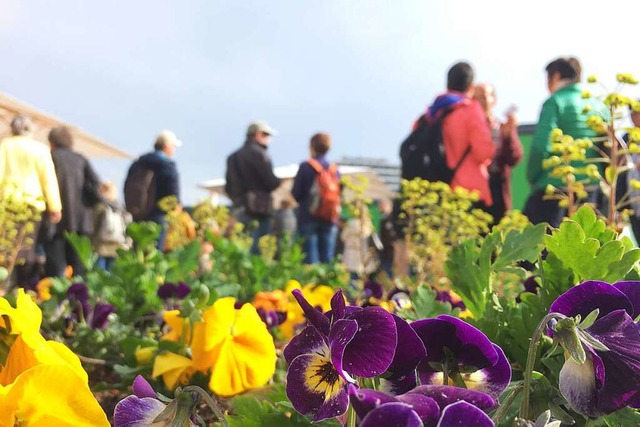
pixel 152 178
pixel 465 135
pixel 250 181
pixel 318 233
pixel 563 109
pixel 284 219
pixel 78 183
pixel 508 150
pixel 357 255
pixel 109 226
pixel 27 170
pixel 388 237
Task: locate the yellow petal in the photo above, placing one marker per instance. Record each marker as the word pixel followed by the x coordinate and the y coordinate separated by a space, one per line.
pixel 26 317
pixel 176 323
pixel 50 395
pixel 171 366
pixel 219 319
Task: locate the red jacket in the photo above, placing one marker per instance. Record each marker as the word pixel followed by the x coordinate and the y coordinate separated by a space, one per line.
pixel 467 126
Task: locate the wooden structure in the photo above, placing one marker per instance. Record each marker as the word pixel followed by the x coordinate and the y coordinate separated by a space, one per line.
pixel 84 143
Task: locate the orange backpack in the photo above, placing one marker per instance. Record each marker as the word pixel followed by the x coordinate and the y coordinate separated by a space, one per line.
pixel 325 192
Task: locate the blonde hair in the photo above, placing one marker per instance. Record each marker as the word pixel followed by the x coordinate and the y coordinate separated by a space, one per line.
pixel 108 190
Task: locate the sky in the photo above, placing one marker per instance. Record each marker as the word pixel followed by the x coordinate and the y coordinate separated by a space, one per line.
pixel 360 70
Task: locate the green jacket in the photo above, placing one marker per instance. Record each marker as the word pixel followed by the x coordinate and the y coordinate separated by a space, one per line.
pixel 563 110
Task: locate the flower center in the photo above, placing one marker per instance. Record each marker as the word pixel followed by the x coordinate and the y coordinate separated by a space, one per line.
pixel 321 377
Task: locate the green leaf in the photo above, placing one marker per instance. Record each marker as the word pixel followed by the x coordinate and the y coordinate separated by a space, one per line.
pixel 468 279
pixel 625 417
pixel 144 234
pixel 425 304
pixel 83 248
pixel 520 245
pixel 589 320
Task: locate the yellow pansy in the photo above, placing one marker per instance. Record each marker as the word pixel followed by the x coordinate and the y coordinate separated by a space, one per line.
pixel 176 325
pixel 318 296
pixel 173 368
pixel 49 395
pixel 43 288
pixel 237 346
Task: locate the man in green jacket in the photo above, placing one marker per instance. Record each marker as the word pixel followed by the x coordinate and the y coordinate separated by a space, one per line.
pixel 564 110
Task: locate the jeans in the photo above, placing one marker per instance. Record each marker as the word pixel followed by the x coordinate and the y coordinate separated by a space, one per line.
pixel 319 241
pixel 105 263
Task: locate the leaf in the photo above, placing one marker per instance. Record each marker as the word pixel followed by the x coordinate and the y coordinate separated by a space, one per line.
pixel 520 245
pixel 425 304
pixel 83 248
pixel 623 418
pixel 619 270
pixel 467 278
pixel 590 319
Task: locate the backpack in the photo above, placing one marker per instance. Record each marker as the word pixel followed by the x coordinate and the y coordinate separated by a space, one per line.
pixel 325 192
pixel 422 153
pixel 112 226
pixel 233 182
pixel 140 191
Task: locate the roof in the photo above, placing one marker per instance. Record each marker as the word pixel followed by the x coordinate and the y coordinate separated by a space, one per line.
pixel 84 142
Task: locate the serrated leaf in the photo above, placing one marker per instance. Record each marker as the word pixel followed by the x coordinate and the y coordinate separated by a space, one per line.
pixel 467 278
pixel 520 245
pixel 618 270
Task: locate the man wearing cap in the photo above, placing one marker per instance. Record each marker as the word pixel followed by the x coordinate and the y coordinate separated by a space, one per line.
pixel 250 180
pixel 165 179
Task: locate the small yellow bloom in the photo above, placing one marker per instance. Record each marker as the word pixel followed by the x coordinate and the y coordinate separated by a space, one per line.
pixel 592 79
pixel 549 189
pixel 586 94
pixel 44 289
pixel 275 300
pixel 144 355
pixel 173 368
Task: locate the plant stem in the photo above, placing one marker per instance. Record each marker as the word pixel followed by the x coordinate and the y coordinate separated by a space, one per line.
pixel 531 360
pixel 215 407
pixel 506 403
pixel 351 417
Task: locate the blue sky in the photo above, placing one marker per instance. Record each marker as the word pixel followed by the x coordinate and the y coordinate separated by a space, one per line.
pixel 361 70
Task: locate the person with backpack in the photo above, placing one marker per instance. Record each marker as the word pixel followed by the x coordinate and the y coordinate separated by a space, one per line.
pixel 451 142
pixel 151 178
pixel 250 181
pixel 109 226
pixel 316 188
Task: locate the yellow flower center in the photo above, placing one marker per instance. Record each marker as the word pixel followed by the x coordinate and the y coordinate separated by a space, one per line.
pixel 321 377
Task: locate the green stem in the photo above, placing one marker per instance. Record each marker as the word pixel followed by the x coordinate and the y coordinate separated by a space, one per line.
pixel 506 404
pixel 351 417
pixel 215 406
pixel 531 360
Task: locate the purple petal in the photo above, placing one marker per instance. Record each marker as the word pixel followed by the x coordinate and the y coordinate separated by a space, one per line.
pixel 495 379
pixel 314 316
pixel 337 306
pixel 342 332
pixel 426 407
pixel 182 290
pixel 399 384
pixel 409 351
pixel 468 344
pixel 133 411
pixel 366 400
pixel 166 291
pixel 462 414
pixel 142 388
pixel 78 291
pixel 445 395
pixel 631 289
pixel 306 342
pixel 371 350
pixel 315 388
pixel 588 296
pixel 577 384
pixel 394 414
pixel 101 313
pixel 621 335
pixel 373 289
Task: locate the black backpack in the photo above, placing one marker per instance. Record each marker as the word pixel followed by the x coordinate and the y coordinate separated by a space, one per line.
pixel 140 190
pixel 422 153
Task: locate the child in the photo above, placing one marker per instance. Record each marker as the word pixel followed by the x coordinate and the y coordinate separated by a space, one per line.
pixel 109 226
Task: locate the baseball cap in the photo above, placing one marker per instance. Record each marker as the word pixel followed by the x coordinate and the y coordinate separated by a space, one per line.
pixel 166 137
pixel 261 126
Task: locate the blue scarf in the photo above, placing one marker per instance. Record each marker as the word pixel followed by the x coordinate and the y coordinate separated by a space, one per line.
pixel 442 103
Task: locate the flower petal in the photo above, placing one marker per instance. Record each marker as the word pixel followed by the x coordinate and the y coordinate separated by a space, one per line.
pixel 342 332
pixel 305 342
pixel 409 351
pixel 394 414
pixel 101 312
pixel 445 395
pixel 577 384
pixel 371 350
pixel 142 388
pixel 315 388
pixel 133 411
pixel 314 316
pixel 631 289
pixel 337 306
pixel 588 296
pixel 366 400
pixel 399 384
pixel 464 414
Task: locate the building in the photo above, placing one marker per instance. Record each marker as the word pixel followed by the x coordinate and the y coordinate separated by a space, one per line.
pixel 389 173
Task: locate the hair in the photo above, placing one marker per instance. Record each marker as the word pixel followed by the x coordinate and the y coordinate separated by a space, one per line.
pixel 460 77
pixel 21 125
pixel 567 66
pixel 159 145
pixel 61 137
pixel 108 190
pixel 320 143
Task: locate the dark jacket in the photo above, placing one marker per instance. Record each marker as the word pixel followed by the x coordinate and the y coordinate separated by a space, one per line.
pixel 78 185
pixel 166 176
pixel 249 169
pixel 301 190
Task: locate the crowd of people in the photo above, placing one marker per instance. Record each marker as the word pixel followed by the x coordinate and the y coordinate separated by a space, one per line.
pixel 480 151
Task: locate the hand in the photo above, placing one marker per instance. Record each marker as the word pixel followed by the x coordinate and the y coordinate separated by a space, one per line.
pixel 510 125
pixel 55 217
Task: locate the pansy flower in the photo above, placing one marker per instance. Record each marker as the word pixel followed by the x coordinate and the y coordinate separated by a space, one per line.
pixel 608 377
pixel 173 290
pixel 428 405
pixel 460 354
pixel 98 318
pixel 335 347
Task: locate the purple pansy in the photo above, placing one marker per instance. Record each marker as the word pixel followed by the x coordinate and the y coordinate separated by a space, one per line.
pixel 78 296
pixel 429 406
pixel 410 351
pixel 454 301
pixel 345 342
pixel 271 318
pixel 609 379
pixel 373 289
pixel 173 290
pixel 463 353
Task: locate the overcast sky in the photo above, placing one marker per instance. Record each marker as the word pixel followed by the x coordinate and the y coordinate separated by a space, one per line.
pixel 361 70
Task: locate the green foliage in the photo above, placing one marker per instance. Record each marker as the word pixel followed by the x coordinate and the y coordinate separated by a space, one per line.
pixel 424 305
pixel 623 418
pixel 82 246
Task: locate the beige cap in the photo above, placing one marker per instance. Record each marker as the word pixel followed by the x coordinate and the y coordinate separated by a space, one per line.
pixel 261 126
pixel 166 137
